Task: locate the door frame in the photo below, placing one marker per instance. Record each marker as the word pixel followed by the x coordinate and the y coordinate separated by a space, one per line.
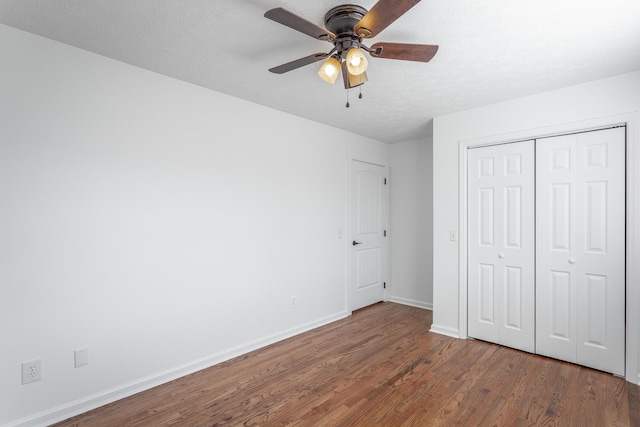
pixel 349 265
pixel 632 273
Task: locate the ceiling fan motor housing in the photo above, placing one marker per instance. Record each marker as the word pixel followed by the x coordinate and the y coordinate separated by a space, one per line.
pixel 341 21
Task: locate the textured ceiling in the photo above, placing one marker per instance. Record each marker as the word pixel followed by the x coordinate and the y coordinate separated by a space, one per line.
pixel 490 51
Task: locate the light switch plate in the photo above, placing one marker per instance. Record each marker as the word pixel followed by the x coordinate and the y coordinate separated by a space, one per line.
pixel 81 357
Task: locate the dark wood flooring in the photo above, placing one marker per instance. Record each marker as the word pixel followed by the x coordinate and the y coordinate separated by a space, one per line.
pixel 381 367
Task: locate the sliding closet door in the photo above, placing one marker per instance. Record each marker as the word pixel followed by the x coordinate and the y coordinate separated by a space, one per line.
pixel 580 248
pixel 501 244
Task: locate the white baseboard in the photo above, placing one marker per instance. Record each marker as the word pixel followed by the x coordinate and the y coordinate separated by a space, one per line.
pixel 88 403
pixel 445 330
pixel 411 302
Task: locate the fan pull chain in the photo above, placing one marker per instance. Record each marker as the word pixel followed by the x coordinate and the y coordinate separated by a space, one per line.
pixel 360 96
pixel 347 106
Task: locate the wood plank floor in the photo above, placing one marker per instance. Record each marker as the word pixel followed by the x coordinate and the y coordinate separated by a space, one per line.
pixel 381 366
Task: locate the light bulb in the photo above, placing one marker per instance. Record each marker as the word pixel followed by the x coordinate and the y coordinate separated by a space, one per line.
pixel 356 61
pixel 329 70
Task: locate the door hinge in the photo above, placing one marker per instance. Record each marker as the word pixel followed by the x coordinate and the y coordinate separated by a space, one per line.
pixel 385 181
pixel 385 233
pixel 384 285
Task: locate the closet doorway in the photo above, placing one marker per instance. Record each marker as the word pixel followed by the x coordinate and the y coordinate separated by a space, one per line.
pixel 552 283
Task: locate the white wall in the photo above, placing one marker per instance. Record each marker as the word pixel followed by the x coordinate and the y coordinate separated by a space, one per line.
pixel 163 226
pixel 569 108
pixel 411 223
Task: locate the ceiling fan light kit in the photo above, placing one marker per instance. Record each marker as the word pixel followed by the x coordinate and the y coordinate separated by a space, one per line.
pixel 345 27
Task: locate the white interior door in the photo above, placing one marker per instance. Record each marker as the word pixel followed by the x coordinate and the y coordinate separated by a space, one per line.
pixel 580 248
pixel 367 246
pixel 501 288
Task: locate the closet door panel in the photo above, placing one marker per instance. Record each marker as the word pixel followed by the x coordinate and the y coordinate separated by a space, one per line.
pixel 580 248
pixel 555 243
pixel 601 250
pixel 484 178
pixel 501 256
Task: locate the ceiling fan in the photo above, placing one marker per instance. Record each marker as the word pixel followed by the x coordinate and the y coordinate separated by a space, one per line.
pixel 346 26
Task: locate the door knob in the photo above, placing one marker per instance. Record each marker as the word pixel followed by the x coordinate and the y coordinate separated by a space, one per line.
pixel 356 243
pixel 572 260
pixel 500 255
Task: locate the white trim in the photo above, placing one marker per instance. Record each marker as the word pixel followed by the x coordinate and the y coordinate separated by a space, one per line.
pixel 411 302
pixel 386 225
pixel 346 233
pixel 549 131
pixel 445 330
pixel 378 159
pixel 88 403
pixel 632 373
pixel 462 241
pixel 631 120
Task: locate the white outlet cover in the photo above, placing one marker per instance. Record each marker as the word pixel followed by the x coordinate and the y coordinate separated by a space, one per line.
pixel 31 371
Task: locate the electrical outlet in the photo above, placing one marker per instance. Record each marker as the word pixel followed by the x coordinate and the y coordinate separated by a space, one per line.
pixel 293 302
pixel 31 371
pixel 81 357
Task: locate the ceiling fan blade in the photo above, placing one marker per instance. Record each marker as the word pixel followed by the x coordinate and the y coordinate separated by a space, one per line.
pixel 381 15
pixel 291 20
pixel 404 51
pixel 281 69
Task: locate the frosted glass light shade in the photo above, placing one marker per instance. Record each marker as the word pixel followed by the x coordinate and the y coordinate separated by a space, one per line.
pixel 329 70
pixel 356 61
pixel 357 80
